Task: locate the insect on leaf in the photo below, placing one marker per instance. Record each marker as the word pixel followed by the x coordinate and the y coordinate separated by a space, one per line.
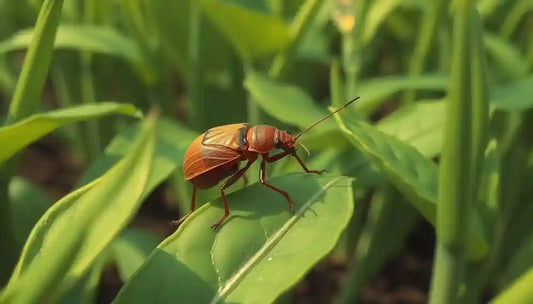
pixel 258 253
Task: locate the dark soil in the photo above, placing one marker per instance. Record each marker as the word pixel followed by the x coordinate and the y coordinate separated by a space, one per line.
pixel 404 278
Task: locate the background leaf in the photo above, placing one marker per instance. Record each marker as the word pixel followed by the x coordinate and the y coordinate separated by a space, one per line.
pixel 16 136
pixel 71 234
pixel 130 249
pixel 251 32
pixel 412 174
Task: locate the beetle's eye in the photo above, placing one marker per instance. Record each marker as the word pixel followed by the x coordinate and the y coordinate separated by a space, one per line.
pixel 277 143
pixel 288 132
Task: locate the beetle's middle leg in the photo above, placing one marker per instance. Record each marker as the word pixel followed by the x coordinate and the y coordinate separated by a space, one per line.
pixel 281 155
pixel 262 173
pixel 230 181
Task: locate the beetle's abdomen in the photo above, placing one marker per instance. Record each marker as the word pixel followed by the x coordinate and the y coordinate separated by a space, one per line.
pixel 261 138
pixel 212 177
pixel 200 158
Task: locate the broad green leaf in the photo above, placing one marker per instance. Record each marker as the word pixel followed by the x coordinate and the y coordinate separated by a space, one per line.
pixel 261 251
pixel 376 90
pixel 130 249
pixel 419 124
pixel 519 292
pixel 75 230
pixel 28 204
pixel 172 140
pixel 96 39
pixel 521 260
pixel 85 291
pixel 413 175
pixel 285 102
pixel 506 55
pixel 15 137
pixel 377 13
pixel 386 228
pixel 251 33
pixel 514 96
pixel 293 106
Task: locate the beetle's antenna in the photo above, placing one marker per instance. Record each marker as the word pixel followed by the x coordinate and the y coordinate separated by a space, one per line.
pixel 305 148
pixel 326 117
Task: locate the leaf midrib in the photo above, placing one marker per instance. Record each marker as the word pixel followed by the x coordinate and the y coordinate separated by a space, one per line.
pixel 237 277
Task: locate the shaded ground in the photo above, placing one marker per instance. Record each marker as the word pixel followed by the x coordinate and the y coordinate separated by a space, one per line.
pixel 404 279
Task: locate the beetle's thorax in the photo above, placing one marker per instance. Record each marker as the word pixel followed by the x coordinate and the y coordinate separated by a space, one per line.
pixel 262 139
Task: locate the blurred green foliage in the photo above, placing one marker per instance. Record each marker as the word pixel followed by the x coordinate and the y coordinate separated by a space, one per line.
pixel 442 132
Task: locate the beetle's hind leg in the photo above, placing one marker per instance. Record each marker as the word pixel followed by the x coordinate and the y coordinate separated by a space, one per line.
pixel 193 203
pixel 244 180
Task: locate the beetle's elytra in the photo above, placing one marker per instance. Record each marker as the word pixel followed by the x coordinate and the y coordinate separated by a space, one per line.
pixel 216 154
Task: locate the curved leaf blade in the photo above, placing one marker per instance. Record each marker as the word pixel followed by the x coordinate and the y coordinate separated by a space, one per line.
pixel 172 140
pixel 251 32
pixel 96 39
pixel 76 229
pixel 419 124
pixel 258 253
pixel 15 137
pixel 413 175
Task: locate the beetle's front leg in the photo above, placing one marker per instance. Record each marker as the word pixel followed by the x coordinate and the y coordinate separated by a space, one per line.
pixel 305 167
pixel 281 155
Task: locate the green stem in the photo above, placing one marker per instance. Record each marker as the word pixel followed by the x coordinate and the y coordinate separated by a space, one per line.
pixel 352 47
pixel 299 27
pixel 426 38
pixel 456 169
pixel 64 97
pixel 197 108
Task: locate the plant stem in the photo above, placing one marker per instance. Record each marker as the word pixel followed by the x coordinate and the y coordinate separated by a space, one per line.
pixel 464 142
pixel 428 32
pixel 196 107
pixel 299 27
pixel 352 47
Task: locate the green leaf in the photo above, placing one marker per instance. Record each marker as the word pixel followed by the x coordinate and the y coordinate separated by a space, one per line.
pixel 506 55
pixel 251 33
pixel 386 228
pixel 258 253
pixel 172 140
pixel 519 292
pixel 27 205
pixel 15 137
pixel 285 102
pixel 515 96
pixel 96 39
pixel 130 249
pixel 75 230
pixel 521 261
pixel 419 124
pixel 377 13
pixel 413 175
pixel 280 101
pixel 36 62
pixel 376 90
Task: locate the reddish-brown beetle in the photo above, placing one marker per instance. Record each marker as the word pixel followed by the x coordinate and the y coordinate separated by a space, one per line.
pixel 216 154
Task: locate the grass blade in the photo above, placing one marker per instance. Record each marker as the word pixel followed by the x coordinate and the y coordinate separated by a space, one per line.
pixel 35 68
pixel 462 155
pixel 15 137
pixel 72 233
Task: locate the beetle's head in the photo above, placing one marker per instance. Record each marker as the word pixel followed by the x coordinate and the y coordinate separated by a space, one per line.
pixel 284 140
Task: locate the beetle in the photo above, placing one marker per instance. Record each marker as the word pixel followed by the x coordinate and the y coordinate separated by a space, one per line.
pixel 216 154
